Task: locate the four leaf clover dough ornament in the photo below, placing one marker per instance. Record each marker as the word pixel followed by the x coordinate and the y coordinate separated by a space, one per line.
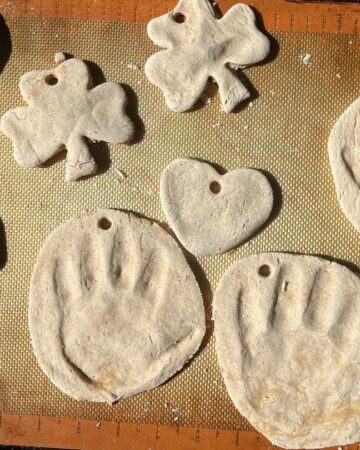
pixel 344 154
pixel 287 331
pixel 212 213
pixel 114 307
pixel 64 110
pixel 200 46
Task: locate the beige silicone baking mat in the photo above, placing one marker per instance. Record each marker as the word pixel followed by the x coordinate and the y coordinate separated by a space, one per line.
pixel 283 131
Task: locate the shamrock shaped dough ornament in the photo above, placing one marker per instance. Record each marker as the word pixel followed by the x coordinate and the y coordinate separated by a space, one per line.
pixel 63 110
pixel 199 46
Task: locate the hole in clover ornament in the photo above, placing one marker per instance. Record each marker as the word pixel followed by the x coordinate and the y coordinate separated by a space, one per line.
pixel 51 80
pixel 179 18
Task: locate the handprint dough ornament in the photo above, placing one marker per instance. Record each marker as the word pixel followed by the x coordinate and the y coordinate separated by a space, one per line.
pixel 212 213
pixel 344 153
pixel 114 307
pixel 63 110
pixel 200 46
pixel 287 331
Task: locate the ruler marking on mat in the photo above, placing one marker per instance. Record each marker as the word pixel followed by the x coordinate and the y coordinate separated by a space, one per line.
pixel 42 431
pixel 278 15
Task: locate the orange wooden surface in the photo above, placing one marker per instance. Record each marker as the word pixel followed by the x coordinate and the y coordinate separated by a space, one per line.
pixel 277 14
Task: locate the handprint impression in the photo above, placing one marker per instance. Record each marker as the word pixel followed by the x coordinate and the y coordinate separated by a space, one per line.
pixel 288 340
pixel 200 46
pixel 63 110
pixel 114 307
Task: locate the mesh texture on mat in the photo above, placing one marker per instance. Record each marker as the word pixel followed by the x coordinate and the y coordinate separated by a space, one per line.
pixel 284 132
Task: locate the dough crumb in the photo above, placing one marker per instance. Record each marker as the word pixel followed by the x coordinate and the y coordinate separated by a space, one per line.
pixel 59 58
pixel 338 76
pixel 133 66
pixel 121 174
pixel 306 58
pixel 205 99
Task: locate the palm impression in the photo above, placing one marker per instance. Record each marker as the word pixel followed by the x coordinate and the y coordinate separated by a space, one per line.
pixel 288 342
pixel 114 307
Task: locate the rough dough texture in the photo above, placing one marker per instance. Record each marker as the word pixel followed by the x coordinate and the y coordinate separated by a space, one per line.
pixel 62 111
pixel 344 153
pixel 113 311
pixel 287 333
pixel 202 46
pixel 207 222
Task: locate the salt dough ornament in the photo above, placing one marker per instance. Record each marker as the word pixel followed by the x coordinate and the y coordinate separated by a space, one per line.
pixel 114 307
pixel 62 111
pixel 344 154
pixel 199 46
pixel 212 213
pixel 287 331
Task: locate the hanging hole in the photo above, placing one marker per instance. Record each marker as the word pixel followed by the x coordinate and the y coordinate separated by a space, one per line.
pixel 104 223
pixel 264 270
pixel 51 80
pixel 215 187
pixel 179 18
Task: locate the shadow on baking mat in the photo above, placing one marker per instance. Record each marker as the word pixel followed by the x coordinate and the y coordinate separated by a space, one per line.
pixel 277 204
pixel 5 43
pixel 274 45
pixel 212 90
pixel 132 108
pixel 349 265
pixel 277 193
pixel 3 246
pixel 273 53
pixel 203 283
pixel 98 77
pixel 99 151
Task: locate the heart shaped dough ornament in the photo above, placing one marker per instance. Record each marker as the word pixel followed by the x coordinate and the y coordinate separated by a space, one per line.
pixel 344 154
pixel 212 213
